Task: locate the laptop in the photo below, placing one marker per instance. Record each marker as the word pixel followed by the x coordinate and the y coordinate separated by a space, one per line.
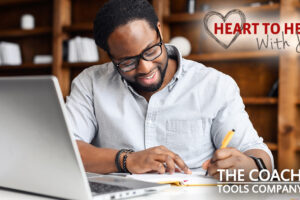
pixel 38 152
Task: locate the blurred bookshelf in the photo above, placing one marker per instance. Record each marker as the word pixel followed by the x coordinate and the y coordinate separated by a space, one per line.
pixel 272 146
pixel 260 101
pixel 79 27
pixel 83 64
pixel 25 66
pixel 187 17
pixel 222 56
pixel 19 2
pixel 25 33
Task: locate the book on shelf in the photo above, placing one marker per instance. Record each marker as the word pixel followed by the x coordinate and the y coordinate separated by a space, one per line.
pixel 82 49
pixel 10 54
pixel 42 59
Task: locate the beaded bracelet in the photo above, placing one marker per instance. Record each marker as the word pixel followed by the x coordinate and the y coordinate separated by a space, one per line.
pixel 124 163
pixel 117 159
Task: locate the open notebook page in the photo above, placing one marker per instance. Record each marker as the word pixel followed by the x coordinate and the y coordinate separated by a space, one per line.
pixel 197 178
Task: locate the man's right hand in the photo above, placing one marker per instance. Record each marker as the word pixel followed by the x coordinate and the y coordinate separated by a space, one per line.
pixel 158 159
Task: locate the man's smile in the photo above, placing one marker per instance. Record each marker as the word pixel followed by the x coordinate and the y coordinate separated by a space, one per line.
pixel 149 78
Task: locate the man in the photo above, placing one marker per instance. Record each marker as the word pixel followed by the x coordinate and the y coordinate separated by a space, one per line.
pixel 166 113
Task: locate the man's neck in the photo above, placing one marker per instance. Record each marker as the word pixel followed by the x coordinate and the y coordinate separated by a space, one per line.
pixel 171 70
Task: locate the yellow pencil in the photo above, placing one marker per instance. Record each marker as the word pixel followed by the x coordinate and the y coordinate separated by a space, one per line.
pixel 179 183
pixel 227 138
pixel 225 142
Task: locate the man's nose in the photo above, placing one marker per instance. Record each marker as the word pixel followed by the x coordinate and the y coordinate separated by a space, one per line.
pixel 144 67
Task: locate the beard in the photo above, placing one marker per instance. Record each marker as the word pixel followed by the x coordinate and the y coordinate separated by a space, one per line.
pixel 153 87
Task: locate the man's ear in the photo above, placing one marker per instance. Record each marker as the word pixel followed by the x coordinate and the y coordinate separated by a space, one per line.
pixel 159 29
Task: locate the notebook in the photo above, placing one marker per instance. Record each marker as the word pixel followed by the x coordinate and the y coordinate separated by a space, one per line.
pixel 177 179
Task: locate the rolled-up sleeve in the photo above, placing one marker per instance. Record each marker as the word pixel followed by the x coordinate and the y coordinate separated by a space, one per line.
pixel 232 115
pixel 80 109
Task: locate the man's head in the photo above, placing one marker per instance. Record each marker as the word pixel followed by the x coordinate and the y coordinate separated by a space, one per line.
pixel 130 33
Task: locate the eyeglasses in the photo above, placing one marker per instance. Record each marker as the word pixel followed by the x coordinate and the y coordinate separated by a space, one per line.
pixel 149 54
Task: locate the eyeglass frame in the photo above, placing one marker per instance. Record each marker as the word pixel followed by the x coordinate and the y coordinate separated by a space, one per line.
pixel 139 56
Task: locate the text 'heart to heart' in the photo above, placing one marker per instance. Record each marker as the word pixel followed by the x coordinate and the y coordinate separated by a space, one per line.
pixel 216 21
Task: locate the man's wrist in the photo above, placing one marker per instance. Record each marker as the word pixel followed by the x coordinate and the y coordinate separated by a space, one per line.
pixel 260 165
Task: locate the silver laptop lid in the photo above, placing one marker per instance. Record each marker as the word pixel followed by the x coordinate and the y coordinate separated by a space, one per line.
pixel 36 149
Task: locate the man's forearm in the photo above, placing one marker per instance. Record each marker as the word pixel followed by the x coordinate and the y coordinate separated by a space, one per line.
pixel 261 154
pixel 97 160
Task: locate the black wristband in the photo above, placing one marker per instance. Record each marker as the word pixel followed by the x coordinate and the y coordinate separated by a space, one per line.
pixel 117 160
pixel 259 163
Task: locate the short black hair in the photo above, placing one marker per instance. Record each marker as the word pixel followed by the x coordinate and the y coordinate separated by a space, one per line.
pixel 119 12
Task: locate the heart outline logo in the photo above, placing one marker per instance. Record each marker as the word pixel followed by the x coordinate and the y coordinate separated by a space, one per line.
pixel 224 18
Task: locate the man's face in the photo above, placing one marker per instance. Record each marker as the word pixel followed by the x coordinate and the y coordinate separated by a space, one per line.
pixel 131 40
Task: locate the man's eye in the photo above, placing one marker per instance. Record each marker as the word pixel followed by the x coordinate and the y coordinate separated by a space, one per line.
pixel 149 53
pixel 128 63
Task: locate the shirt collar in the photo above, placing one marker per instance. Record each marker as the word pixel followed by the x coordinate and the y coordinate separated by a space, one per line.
pixel 173 52
pixel 129 87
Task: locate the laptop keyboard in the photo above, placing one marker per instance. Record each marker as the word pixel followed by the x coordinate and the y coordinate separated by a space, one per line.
pixel 106 188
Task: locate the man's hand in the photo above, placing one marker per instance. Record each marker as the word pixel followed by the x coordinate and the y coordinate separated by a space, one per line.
pixel 158 159
pixel 229 158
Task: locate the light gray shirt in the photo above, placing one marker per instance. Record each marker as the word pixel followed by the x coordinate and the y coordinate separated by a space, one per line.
pixel 190 116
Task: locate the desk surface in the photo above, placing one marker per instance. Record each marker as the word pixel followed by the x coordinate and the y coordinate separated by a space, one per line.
pixel 173 193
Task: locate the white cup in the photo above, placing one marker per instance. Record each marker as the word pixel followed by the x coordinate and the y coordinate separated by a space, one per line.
pixel 27 21
pixel 183 45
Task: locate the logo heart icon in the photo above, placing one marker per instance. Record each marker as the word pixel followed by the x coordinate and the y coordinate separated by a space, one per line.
pixel 224 18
